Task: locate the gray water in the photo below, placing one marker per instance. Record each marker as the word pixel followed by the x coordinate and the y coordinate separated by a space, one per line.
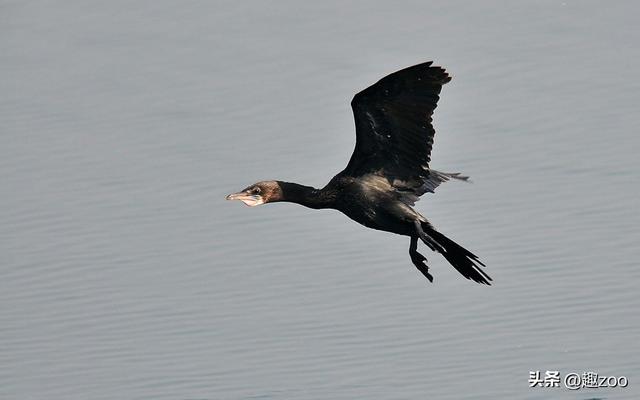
pixel 125 275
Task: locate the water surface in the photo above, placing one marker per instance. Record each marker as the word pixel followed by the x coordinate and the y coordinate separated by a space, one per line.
pixel 126 275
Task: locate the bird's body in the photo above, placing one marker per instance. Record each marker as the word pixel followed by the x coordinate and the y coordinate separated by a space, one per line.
pixel 371 202
pixel 389 169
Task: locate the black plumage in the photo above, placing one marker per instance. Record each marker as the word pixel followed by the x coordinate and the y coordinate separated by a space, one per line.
pixel 389 168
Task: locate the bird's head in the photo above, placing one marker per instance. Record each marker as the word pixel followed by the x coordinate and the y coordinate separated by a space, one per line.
pixel 258 193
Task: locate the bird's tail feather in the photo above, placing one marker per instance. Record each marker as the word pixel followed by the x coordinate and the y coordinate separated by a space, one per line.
pixel 462 259
pixel 435 178
pixel 448 175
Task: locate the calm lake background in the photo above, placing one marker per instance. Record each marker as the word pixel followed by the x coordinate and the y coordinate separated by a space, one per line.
pixel 125 275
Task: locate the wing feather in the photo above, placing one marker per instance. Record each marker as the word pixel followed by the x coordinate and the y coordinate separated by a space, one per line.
pixel 394 132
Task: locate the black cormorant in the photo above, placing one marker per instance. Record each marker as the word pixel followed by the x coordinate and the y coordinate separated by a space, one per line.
pixel 389 169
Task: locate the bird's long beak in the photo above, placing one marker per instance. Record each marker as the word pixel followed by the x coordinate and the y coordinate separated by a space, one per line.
pixel 246 198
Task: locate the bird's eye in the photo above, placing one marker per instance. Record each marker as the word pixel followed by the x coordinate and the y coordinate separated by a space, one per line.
pixel 255 190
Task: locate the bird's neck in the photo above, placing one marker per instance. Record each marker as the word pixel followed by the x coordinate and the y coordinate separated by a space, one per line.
pixel 304 195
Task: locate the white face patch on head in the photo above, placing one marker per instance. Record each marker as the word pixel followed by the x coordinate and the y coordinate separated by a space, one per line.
pixel 252 201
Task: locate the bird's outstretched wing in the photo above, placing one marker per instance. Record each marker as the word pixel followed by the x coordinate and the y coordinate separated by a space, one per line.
pixel 394 134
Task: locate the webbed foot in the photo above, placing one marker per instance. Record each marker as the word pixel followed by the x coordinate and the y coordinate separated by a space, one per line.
pixel 418 259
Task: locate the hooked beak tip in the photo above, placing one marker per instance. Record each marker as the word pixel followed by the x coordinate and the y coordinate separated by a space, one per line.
pixel 234 196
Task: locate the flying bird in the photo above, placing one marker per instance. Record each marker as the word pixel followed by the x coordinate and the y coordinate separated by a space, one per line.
pixel 388 170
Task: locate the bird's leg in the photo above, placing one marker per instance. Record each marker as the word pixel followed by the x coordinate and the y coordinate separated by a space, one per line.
pixel 428 240
pixel 418 259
